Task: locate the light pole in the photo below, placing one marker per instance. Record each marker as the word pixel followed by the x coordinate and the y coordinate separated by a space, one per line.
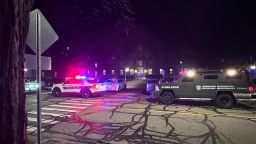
pixel 126 70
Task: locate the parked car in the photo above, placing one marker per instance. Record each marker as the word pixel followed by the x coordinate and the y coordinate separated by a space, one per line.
pixel 114 85
pixel 30 86
pixel 151 85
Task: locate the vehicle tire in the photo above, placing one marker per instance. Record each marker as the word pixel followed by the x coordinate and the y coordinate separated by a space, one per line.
pixel 86 93
pixel 167 98
pixel 225 101
pixel 56 92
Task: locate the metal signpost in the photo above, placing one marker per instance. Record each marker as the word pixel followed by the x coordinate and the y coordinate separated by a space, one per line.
pixel 38 75
pixel 41 36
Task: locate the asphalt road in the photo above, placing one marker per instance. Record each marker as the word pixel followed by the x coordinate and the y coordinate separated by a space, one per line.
pixel 132 117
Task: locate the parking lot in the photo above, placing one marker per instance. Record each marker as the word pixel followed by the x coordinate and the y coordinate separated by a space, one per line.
pixel 130 116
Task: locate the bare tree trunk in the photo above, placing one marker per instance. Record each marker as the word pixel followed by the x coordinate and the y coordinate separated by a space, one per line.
pixel 14 21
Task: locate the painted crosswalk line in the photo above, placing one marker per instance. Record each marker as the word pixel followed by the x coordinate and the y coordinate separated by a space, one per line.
pixel 34 129
pixel 47 113
pixel 61 109
pixel 75 103
pixel 56 109
pixel 31 119
pixel 68 106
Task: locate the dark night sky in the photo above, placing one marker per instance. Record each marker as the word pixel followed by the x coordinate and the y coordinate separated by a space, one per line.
pixel 199 31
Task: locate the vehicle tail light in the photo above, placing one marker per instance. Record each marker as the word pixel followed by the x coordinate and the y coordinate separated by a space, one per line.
pixel 251 89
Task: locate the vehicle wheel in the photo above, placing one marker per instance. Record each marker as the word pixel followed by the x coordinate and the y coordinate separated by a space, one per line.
pixel 86 93
pixel 56 92
pixel 224 101
pixel 167 98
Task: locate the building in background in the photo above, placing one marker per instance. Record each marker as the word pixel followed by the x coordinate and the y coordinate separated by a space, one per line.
pixel 30 66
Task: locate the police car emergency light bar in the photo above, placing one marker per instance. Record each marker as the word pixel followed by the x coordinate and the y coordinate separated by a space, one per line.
pixel 80 77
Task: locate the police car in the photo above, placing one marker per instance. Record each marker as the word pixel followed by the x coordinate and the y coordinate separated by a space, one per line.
pixel 223 87
pixel 79 84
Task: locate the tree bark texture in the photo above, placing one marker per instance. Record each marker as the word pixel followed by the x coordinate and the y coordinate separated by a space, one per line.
pixel 14 22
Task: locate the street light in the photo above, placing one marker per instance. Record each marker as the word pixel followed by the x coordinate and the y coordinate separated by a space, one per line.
pixel 253 67
pixel 126 70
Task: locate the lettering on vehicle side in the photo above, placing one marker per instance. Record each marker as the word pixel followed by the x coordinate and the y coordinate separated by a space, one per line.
pixel 218 87
pixel 198 87
pixel 241 88
pixel 72 87
pixel 225 87
pixel 170 87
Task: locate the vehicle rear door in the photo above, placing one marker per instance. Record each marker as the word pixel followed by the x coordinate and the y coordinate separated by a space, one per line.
pixel 72 85
pixel 206 85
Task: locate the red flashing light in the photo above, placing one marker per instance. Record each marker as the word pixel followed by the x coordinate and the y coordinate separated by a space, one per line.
pixel 251 89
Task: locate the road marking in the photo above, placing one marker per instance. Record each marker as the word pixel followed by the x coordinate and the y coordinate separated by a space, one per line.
pixel 79 99
pixel 242 116
pixel 72 101
pixel 67 106
pixel 76 103
pixel 47 113
pixel 56 109
pixel 42 120
pixel 34 129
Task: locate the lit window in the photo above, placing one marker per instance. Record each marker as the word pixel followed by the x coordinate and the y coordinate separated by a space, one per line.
pixel 171 71
pixel 113 72
pixel 131 71
pixel 136 71
pixel 140 63
pixel 150 71
pixel 121 72
pixel 104 72
pixel 161 71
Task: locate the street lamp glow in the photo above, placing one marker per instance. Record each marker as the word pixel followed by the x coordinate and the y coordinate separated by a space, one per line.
pixel 231 72
pixel 253 67
pixel 127 69
pixel 25 69
pixel 191 73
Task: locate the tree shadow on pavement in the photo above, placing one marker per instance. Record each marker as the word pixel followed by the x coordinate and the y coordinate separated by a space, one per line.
pixel 200 103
